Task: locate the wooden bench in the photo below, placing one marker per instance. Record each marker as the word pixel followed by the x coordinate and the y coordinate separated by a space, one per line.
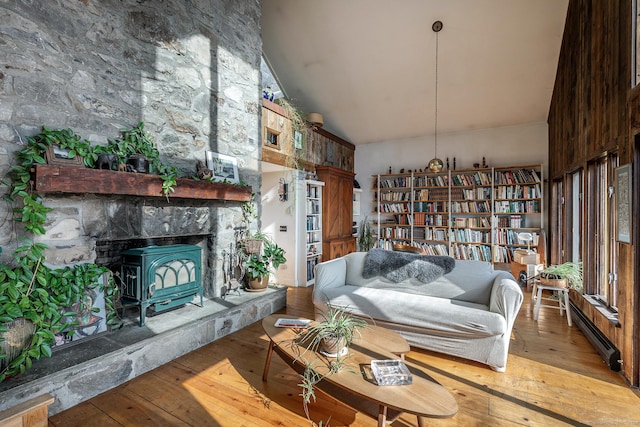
pixel 32 413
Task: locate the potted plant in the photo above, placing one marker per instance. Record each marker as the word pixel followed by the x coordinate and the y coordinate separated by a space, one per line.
pixel 331 336
pixel 563 275
pixel 259 265
pixel 366 241
pixel 335 332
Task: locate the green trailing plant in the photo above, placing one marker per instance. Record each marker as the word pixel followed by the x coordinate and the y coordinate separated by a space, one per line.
pixel 299 124
pixel 572 271
pixel 43 296
pixel 29 289
pixel 337 324
pixel 138 141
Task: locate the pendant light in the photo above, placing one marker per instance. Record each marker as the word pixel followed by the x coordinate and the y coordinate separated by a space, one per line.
pixel 435 164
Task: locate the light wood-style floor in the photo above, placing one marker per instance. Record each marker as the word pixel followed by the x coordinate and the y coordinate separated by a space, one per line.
pixel 553 378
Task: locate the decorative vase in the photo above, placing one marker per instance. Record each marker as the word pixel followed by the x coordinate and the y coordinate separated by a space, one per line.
pixel 17 337
pixel 258 284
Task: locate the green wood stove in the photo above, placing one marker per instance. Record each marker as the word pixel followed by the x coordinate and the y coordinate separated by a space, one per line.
pixel 161 277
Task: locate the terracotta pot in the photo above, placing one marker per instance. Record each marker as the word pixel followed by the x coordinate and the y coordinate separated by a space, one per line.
pixel 259 284
pixel 18 336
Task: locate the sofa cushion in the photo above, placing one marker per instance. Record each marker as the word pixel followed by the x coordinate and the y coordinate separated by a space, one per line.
pixel 438 316
pixel 469 281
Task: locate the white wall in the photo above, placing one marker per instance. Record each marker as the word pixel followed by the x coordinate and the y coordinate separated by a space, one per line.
pixel 275 214
pixel 505 146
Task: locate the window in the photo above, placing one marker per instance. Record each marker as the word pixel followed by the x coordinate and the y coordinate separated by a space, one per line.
pixel 601 258
pixel 574 219
pixel 557 220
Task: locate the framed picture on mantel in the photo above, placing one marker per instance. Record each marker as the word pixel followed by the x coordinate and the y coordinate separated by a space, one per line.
pixel 55 155
pixel 224 168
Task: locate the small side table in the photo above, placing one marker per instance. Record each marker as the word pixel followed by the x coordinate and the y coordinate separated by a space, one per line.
pixel 563 300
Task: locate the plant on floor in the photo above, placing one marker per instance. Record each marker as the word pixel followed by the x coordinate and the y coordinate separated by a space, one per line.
pixel 571 271
pixel 366 241
pixel 41 296
pixel 332 335
pixel 259 265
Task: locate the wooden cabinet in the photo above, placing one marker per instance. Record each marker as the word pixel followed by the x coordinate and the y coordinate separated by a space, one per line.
pixel 337 212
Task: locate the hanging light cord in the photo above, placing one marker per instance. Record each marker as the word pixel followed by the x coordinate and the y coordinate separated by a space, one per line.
pixel 435 126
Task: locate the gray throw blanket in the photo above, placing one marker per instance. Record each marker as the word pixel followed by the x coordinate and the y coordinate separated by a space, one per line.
pixel 398 266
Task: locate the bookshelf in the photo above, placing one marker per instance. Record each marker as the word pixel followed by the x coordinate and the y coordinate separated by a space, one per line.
pixel 313 228
pixel 467 214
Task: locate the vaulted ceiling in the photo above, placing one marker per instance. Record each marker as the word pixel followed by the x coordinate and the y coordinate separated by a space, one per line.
pixel 369 65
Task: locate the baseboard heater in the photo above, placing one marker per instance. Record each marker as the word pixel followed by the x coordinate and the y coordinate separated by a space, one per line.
pixel 609 353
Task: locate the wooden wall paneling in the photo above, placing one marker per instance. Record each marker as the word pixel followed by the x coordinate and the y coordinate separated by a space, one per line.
pixel 320 147
pixel 594 110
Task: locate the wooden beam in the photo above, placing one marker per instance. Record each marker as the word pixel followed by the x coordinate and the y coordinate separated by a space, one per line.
pixel 66 179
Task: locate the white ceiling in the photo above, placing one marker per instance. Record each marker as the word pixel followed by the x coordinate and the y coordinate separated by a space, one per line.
pixel 369 65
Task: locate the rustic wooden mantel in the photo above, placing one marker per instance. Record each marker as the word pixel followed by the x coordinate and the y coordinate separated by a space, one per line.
pixel 79 180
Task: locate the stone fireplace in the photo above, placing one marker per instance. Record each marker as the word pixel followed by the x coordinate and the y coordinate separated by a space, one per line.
pixel 191 72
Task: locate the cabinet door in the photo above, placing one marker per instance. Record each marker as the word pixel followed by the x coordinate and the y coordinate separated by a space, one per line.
pixel 345 207
pixel 331 208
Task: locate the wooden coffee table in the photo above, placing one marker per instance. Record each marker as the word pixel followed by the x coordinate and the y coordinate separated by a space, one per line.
pixel 424 398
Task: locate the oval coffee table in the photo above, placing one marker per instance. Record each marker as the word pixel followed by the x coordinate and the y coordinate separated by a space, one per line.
pixel 424 397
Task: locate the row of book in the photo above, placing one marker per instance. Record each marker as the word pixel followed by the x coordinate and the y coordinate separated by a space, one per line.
pixel 313 223
pixel 470 207
pixel 509 221
pixel 314 236
pixel 313 192
pixel 503 254
pixel 517 192
pixel 421 218
pixel 517 176
pixel 396 232
pixel 525 206
pixel 511 237
pixel 399 181
pixel 471 252
pixel 458 251
pixel 466 235
pixel 313 207
pixel 311 263
pixel 474 222
pixel 395 207
pixel 395 196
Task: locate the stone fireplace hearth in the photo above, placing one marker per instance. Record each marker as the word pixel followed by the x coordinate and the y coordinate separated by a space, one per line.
pixel 80 371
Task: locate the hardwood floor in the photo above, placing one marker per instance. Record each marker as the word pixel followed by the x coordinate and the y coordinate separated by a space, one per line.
pixel 553 378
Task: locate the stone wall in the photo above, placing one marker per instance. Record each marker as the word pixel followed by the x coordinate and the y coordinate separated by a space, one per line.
pixel 189 69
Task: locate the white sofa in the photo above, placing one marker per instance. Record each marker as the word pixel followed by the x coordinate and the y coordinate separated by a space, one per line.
pixel 468 312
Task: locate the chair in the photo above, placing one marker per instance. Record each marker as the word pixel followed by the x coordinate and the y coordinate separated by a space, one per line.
pixel 409 248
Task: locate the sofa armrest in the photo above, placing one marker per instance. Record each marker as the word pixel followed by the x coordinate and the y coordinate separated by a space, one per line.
pixel 328 275
pixel 506 297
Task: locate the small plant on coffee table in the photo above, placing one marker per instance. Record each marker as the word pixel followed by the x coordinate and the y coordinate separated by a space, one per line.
pixel 330 336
